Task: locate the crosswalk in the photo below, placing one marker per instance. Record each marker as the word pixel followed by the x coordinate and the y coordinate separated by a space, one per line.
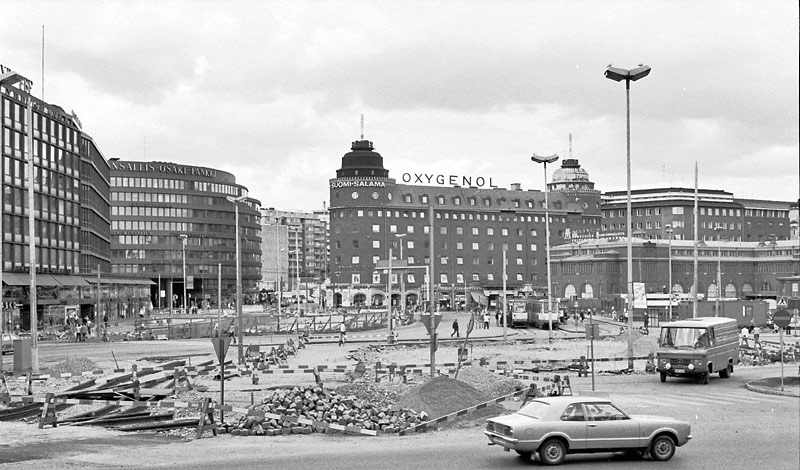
pixel 636 401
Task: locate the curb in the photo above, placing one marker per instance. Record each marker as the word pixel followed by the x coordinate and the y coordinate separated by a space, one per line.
pixel 769 391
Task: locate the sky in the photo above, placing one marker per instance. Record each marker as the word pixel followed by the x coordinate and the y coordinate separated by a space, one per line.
pixel 273 92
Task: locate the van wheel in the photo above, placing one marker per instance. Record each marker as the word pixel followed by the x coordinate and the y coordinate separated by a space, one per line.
pixel 726 372
pixel 663 376
pixel 705 378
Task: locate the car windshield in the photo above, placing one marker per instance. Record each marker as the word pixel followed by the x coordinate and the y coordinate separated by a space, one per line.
pixel 684 338
pixel 534 409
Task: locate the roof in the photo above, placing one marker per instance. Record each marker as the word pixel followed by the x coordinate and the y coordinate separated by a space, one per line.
pixel 699 322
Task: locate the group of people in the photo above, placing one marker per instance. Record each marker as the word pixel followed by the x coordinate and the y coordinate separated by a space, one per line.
pixel 81 328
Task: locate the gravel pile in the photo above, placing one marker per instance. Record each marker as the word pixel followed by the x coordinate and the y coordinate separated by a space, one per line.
pixel 73 365
pixel 489 383
pixel 316 403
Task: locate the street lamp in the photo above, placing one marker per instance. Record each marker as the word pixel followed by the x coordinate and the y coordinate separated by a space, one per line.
pixel 183 238
pixel 718 229
pixel 618 75
pixel 544 161
pixel 403 275
pixel 236 201
pixel 669 257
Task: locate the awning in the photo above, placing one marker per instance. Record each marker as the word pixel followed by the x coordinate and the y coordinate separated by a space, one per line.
pixel 15 279
pixel 112 280
pixel 70 280
pixel 46 280
pixel 475 296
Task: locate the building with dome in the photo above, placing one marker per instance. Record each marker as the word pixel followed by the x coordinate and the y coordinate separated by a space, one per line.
pixel 474 222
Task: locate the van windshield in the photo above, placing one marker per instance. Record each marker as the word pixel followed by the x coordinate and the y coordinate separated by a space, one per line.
pixel 685 338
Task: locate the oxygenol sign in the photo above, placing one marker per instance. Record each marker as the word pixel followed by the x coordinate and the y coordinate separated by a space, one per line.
pixel 452 180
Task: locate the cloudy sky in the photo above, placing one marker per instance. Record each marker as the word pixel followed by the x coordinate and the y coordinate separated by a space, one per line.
pixel 273 91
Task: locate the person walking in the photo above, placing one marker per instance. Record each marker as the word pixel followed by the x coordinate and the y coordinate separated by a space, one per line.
pixel 756 334
pixel 342 332
pixel 486 320
pixel 455 328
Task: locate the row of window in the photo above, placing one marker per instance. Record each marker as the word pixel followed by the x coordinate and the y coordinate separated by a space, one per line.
pixel 149 197
pixel 14 116
pixel 16 255
pixel 445 215
pixel 48 233
pixel 176 271
pixel 410 278
pixel 473 201
pixel 707 211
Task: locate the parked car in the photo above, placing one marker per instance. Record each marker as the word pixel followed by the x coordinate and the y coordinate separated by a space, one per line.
pixel 8 342
pixel 553 427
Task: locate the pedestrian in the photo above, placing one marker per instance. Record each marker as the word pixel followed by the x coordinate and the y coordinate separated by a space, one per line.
pixel 486 319
pixel 646 319
pixel 497 318
pixel 82 333
pixel 105 320
pixel 455 328
pixel 583 315
pixel 743 337
pixel 756 334
pixel 232 332
pixel 342 333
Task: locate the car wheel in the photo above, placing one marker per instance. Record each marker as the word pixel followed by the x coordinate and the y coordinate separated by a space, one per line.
pixel 663 376
pixel 524 454
pixel 662 448
pixel 726 372
pixel 552 452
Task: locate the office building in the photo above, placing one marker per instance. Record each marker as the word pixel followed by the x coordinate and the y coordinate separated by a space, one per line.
pixel 164 213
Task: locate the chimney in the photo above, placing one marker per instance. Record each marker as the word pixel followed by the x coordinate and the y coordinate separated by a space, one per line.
pixel 516 186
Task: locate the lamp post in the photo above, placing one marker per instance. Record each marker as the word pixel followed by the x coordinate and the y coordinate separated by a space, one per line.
pixel 618 75
pixel 402 276
pixel 544 161
pixel 669 257
pixel 718 229
pixel 505 299
pixel 183 238
pixel 297 274
pixel 236 201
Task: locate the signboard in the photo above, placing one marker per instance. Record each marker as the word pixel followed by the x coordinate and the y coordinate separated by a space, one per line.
pixel 639 295
pixel 782 318
pixel 190 282
pixel 426 320
pixel 396 263
pixel 782 302
pixel 221 345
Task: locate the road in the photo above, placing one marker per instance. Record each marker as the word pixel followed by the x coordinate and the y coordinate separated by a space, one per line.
pixel 732 427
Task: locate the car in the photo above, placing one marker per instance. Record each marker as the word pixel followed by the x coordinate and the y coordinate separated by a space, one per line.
pixel 8 342
pixel 553 427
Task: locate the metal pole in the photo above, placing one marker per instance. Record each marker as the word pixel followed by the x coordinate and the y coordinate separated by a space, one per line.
pixel 297 275
pixel 389 296
pixel 239 286
pixel 402 281
pixel 694 279
pixel 185 298
pixel 781 335
pixel 430 292
pixel 219 290
pixel 591 343
pixel 34 314
pixel 503 311
pixel 628 223
pixel 719 269
pixel 97 315
pixel 278 266
pixel 669 248
pixel 547 254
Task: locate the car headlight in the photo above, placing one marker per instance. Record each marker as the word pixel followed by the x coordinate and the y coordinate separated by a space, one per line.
pixel 691 366
pixel 668 366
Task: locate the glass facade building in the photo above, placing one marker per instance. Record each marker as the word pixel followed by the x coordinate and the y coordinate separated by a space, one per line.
pixel 164 213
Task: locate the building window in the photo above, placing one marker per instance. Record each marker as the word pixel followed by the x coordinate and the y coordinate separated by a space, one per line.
pixel 472 201
pixel 355 260
pixel 519 246
pixel 475 245
pixel 459 260
pixel 476 277
pixel 410 229
pixel 443 278
pixel 411 245
pixel 443 230
pixel 475 231
pixel 459 230
pixel 677 211
pixel 411 279
pixel 443 260
pixel 440 200
pixel 533 246
pixel 376 278
pixel 355 278
pixel 376 243
pixel 376 228
pixel 519 277
pixel 355 243
pixel 457 201
pixel 393 229
pixel 490 277
pixel 489 231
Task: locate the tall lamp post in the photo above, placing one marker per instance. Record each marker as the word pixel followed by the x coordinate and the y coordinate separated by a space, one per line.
pixel 544 161
pixel 236 201
pixel 669 257
pixel 618 75
pixel 718 229
pixel 403 275
pixel 183 238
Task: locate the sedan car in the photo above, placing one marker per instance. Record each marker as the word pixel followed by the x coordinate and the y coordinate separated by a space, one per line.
pixel 553 427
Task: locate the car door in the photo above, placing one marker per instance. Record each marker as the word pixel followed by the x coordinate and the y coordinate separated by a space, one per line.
pixel 573 424
pixel 609 428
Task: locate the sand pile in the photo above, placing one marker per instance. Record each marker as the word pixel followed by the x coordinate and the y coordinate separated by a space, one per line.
pixel 73 365
pixel 443 395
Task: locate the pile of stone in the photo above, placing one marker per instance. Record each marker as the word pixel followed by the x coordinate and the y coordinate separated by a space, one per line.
pixel 324 406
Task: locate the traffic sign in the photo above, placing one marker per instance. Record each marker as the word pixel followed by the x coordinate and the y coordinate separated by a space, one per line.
pixel 221 345
pixel 781 318
pixel 782 302
pixel 426 320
